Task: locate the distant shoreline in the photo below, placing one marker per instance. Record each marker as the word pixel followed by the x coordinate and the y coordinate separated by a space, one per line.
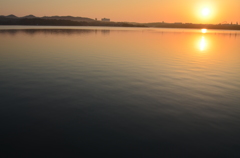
pixel 195 26
pixel 64 22
pixel 216 27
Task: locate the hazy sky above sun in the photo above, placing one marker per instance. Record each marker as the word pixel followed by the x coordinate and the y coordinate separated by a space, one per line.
pixel 196 11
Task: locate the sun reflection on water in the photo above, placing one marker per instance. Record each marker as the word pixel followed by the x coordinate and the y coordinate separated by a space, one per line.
pixel 202 44
pixel 204 30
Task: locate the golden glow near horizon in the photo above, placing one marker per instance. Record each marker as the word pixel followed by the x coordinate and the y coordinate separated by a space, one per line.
pixel 169 11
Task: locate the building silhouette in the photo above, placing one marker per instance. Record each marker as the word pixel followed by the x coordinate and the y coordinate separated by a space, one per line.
pixel 105 20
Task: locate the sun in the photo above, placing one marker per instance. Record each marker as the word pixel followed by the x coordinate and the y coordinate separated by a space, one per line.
pixel 205 11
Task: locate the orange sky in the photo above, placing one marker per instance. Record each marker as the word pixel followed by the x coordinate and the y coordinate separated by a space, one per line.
pixel 129 10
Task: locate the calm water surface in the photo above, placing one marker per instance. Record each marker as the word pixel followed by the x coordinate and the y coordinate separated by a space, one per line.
pixel 119 92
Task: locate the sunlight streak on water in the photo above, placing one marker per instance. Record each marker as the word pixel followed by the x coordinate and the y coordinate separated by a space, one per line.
pixel 202 44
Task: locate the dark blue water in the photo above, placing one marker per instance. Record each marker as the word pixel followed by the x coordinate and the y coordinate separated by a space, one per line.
pixel 119 92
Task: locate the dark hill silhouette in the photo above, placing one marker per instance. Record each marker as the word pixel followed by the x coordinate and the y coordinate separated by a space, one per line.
pixel 29 16
pixel 68 18
pixel 11 16
pixel 51 17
